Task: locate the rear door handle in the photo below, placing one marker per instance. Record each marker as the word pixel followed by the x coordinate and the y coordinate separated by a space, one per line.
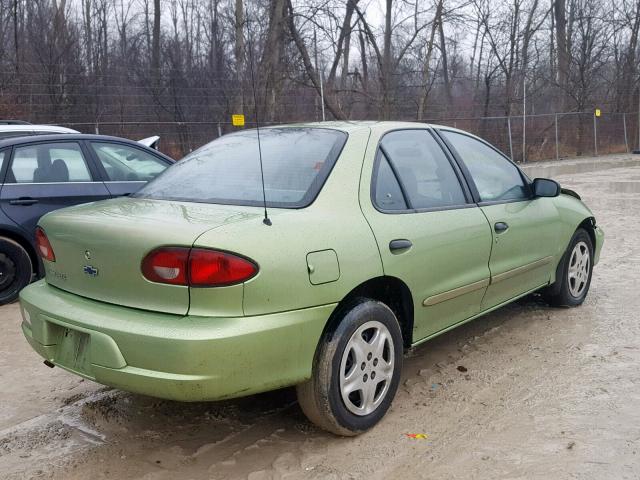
pixel 500 227
pixel 26 201
pixel 400 244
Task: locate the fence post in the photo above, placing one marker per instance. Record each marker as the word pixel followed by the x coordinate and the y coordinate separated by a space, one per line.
pixel 510 141
pixel 219 130
pixel 557 148
pixel 624 124
pixel 524 138
pixel 595 135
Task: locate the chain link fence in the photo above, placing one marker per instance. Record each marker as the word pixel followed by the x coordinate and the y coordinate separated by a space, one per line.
pixel 525 139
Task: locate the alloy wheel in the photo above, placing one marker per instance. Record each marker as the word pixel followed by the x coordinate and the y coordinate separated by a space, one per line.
pixel 366 368
pixel 579 269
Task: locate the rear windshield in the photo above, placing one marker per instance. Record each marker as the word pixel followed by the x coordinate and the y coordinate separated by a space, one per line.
pixel 296 164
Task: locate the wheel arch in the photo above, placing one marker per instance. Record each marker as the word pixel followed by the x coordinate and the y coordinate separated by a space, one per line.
pixel 389 290
pixel 589 224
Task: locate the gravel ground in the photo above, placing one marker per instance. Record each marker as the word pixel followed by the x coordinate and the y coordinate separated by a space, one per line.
pixel 525 392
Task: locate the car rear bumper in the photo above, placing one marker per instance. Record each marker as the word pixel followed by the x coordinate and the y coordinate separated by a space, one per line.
pixel 176 357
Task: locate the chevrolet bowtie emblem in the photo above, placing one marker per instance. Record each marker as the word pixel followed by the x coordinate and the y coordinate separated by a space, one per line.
pixel 90 270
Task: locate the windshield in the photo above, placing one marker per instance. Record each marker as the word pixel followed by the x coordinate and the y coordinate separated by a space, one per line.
pixel 296 163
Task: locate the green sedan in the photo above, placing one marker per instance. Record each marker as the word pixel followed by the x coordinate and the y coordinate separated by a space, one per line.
pixel 352 243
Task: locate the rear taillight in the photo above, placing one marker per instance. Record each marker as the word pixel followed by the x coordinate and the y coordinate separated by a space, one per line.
pixel 196 267
pixel 44 247
pixel 166 265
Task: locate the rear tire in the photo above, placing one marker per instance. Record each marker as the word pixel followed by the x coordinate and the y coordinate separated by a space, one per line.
pixel 15 270
pixel 573 277
pixel 356 371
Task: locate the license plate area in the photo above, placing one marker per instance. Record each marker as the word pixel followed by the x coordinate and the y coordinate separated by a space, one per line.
pixel 73 351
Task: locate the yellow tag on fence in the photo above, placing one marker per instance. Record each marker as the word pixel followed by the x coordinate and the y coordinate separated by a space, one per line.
pixel 237 120
pixel 597 112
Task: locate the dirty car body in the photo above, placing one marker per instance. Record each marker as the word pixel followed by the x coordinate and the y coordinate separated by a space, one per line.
pixel 380 232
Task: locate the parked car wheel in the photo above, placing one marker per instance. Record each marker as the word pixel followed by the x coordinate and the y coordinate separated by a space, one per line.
pixel 15 270
pixel 356 371
pixel 572 283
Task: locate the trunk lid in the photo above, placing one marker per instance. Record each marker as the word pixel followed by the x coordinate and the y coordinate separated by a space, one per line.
pixel 99 247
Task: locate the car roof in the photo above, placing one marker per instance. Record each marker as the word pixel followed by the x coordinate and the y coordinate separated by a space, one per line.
pixel 379 126
pixel 13 141
pixel 35 128
pixel 353 125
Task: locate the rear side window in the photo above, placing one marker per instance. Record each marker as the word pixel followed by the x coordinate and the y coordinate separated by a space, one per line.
pixel 496 178
pixel 296 163
pixel 48 163
pixel 126 163
pixel 422 172
pixel 3 154
pixel 388 194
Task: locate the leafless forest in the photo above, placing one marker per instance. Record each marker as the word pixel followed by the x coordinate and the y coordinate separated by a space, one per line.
pixel 183 67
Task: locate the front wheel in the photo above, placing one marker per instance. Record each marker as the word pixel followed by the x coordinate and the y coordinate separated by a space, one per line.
pixel 356 371
pixel 574 276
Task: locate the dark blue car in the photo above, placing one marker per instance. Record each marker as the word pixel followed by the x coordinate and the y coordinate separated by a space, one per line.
pixel 39 174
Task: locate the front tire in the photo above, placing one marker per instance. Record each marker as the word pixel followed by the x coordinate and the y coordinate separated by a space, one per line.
pixel 574 276
pixel 15 270
pixel 356 371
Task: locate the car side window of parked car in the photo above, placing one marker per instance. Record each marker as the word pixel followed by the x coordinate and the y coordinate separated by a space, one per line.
pixel 3 154
pixel 124 163
pixel 496 178
pixel 426 178
pixel 49 163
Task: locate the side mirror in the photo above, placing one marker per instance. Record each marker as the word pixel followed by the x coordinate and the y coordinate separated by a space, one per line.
pixel 544 187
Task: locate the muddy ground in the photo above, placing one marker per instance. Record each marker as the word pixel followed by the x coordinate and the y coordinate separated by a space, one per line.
pixel 526 392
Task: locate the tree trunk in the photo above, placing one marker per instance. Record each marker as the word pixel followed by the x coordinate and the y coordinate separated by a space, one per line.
pixel 272 57
pixel 329 101
pixel 155 48
pixel 386 63
pixel 562 50
pixel 240 57
pixel 422 103
pixel 445 64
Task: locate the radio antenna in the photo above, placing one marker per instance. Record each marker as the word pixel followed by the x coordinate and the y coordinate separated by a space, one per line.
pixel 266 220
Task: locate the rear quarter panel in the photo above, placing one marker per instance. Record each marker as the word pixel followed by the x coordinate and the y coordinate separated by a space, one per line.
pixel 333 221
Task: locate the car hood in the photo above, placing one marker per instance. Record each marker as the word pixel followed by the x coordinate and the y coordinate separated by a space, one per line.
pixel 99 247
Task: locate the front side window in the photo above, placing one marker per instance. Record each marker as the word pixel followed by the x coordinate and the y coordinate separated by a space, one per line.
pixel 424 174
pixel 496 178
pixel 48 163
pixel 296 163
pixel 126 163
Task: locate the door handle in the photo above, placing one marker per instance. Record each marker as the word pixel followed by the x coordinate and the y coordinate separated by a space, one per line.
pixel 500 227
pixel 400 244
pixel 25 201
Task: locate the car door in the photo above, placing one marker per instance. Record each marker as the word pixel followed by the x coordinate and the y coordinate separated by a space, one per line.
pixel 42 177
pixel 126 168
pixel 525 230
pixel 429 232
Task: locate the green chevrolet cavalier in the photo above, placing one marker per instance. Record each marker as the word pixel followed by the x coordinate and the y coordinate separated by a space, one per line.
pixel 375 237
